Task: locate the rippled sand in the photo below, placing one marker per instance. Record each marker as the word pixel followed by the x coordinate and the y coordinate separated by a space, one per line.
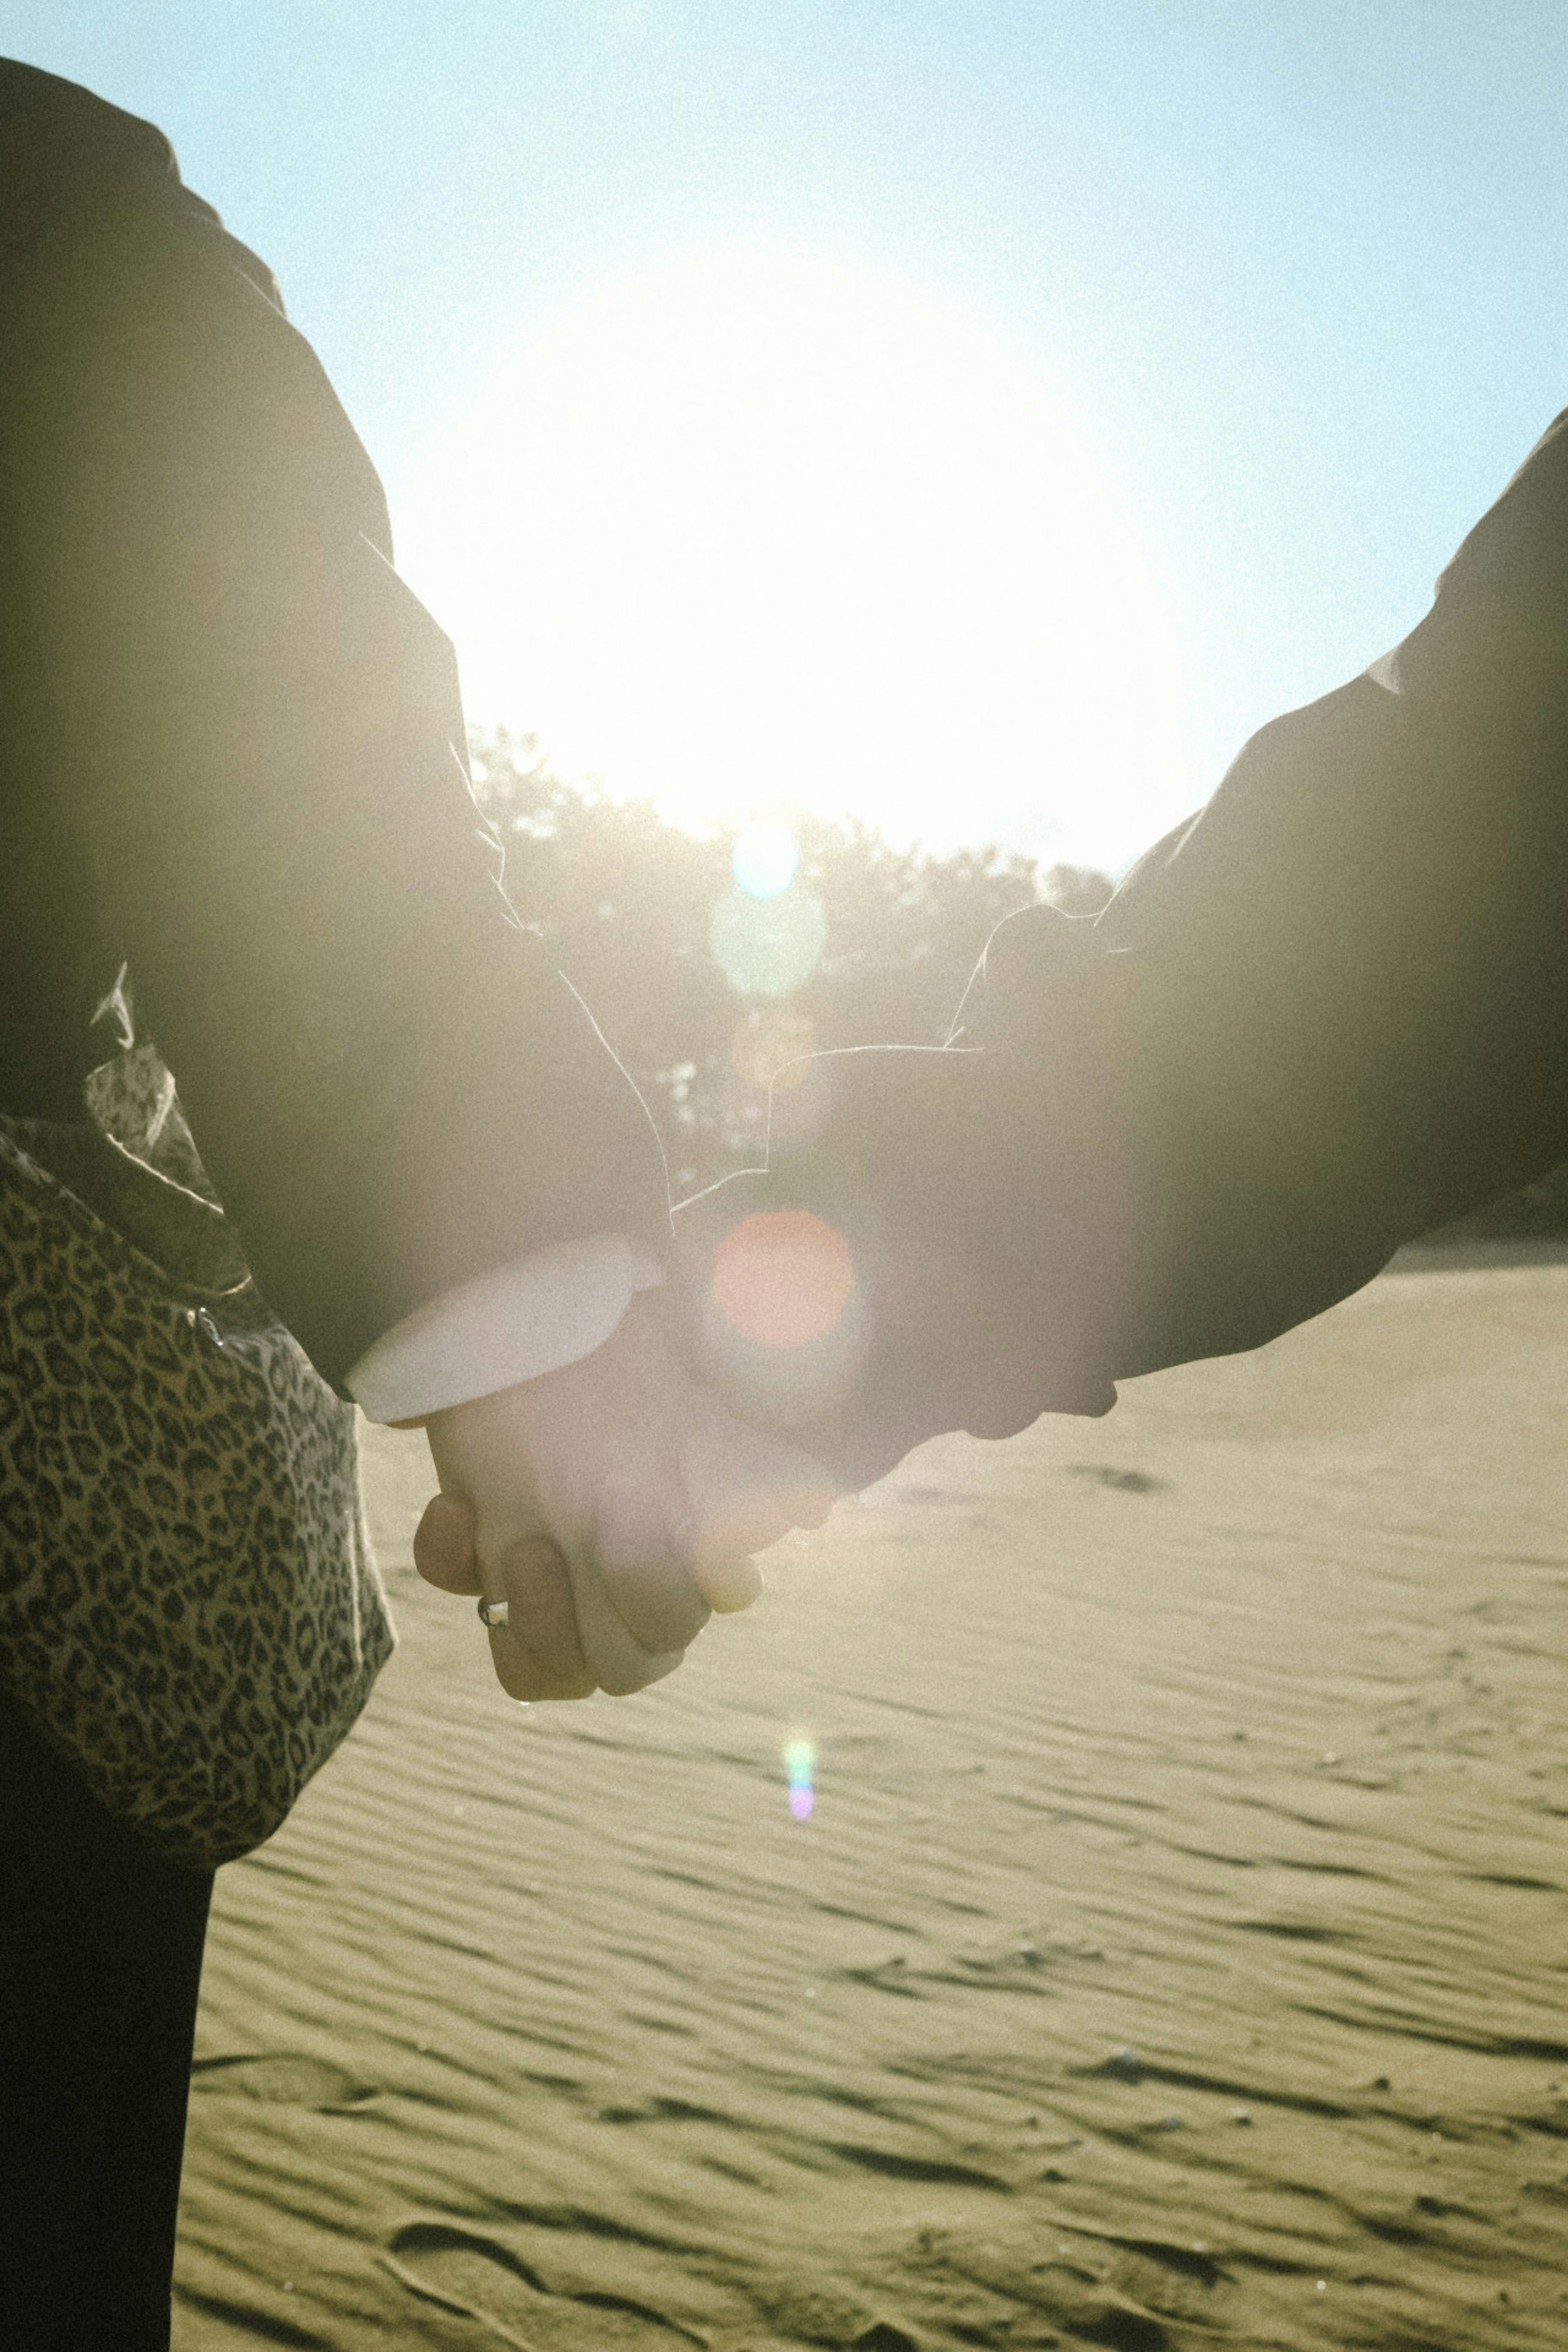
pixel 1177 1954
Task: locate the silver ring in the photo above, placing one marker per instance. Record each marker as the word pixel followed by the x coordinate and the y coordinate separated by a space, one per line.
pixel 494 1613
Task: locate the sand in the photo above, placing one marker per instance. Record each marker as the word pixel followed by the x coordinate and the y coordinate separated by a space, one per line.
pixel 1175 1955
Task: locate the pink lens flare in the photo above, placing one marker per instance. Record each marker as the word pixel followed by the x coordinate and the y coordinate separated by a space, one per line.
pixel 800 1761
pixel 783 1277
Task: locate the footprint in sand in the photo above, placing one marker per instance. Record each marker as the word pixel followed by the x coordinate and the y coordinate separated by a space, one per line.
pixel 1125 1482
pixel 466 2271
pixel 284 2078
pixel 818 2316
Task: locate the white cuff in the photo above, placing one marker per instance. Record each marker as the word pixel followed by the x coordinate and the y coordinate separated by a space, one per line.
pixel 511 1324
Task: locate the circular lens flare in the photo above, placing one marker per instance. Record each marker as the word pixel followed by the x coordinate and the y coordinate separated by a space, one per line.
pixel 783 1277
pixel 798 1100
pixel 768 947
pixel 769 1049
pixel 764 858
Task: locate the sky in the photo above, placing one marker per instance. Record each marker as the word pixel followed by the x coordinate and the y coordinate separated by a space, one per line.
pixel 1292 278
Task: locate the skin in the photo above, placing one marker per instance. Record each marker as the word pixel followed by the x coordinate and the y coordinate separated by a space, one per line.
pixel 625 1459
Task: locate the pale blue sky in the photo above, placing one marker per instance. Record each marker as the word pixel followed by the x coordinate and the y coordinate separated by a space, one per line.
pixel 1298 278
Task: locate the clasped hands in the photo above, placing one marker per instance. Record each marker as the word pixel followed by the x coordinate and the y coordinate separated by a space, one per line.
pixel 612 1505
pixel 925 1261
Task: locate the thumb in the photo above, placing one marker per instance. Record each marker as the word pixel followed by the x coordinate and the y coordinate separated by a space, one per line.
pixel 444 1544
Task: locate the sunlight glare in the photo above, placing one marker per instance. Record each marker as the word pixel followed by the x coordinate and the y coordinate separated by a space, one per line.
pixel 764 858
pixel 757 534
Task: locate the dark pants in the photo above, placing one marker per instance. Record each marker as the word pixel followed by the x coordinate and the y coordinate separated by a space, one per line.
pixel 100 1956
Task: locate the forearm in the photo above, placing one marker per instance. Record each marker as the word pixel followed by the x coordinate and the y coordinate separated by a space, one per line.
pixel 514 1323
pixel 1348 980
pixel 260 736
pixel 1325 1014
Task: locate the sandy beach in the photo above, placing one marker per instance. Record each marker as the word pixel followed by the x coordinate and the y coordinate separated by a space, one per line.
pixel 1176 1953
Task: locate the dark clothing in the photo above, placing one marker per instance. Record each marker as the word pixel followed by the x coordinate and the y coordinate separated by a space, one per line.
pixel 101 1955
pixel 1331 1011
pixel 232 757
pixel 1326 1014
pixel 1347 977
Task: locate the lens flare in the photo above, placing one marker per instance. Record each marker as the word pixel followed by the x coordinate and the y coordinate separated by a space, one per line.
pixel 764 858
pixel 768 947
pixel 769 1049
pixel 786 1315
pixel 783 1277
pixel 798 1099
pixel 800 1762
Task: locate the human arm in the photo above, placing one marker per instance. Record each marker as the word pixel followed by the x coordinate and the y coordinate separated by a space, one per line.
pixel 1327 1013
pixel 653 1510
pixel 587 1478
pixel 235 759
pixel 234 751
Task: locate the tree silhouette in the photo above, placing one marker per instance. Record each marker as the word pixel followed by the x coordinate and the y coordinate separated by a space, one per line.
pixel 628 903
pixel 633 909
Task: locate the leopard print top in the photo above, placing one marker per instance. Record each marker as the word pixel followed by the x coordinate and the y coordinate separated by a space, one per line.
pixel 189 1608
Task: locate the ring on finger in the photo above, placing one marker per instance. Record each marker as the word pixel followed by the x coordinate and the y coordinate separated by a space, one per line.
pixel 494 1613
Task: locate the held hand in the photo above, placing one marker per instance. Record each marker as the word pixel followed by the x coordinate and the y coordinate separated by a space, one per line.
pixel 611 1505
pixel 937 1256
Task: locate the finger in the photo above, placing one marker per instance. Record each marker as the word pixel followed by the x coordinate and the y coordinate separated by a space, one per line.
pixel 1010 1389
pixel 905 1399
pixel 444 1545
pixel 745 1491
pixel 642 1558
pixel 537 1653
pixel 728 1584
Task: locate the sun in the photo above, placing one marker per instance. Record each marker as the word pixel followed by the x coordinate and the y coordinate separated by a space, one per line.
pixel 758 534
